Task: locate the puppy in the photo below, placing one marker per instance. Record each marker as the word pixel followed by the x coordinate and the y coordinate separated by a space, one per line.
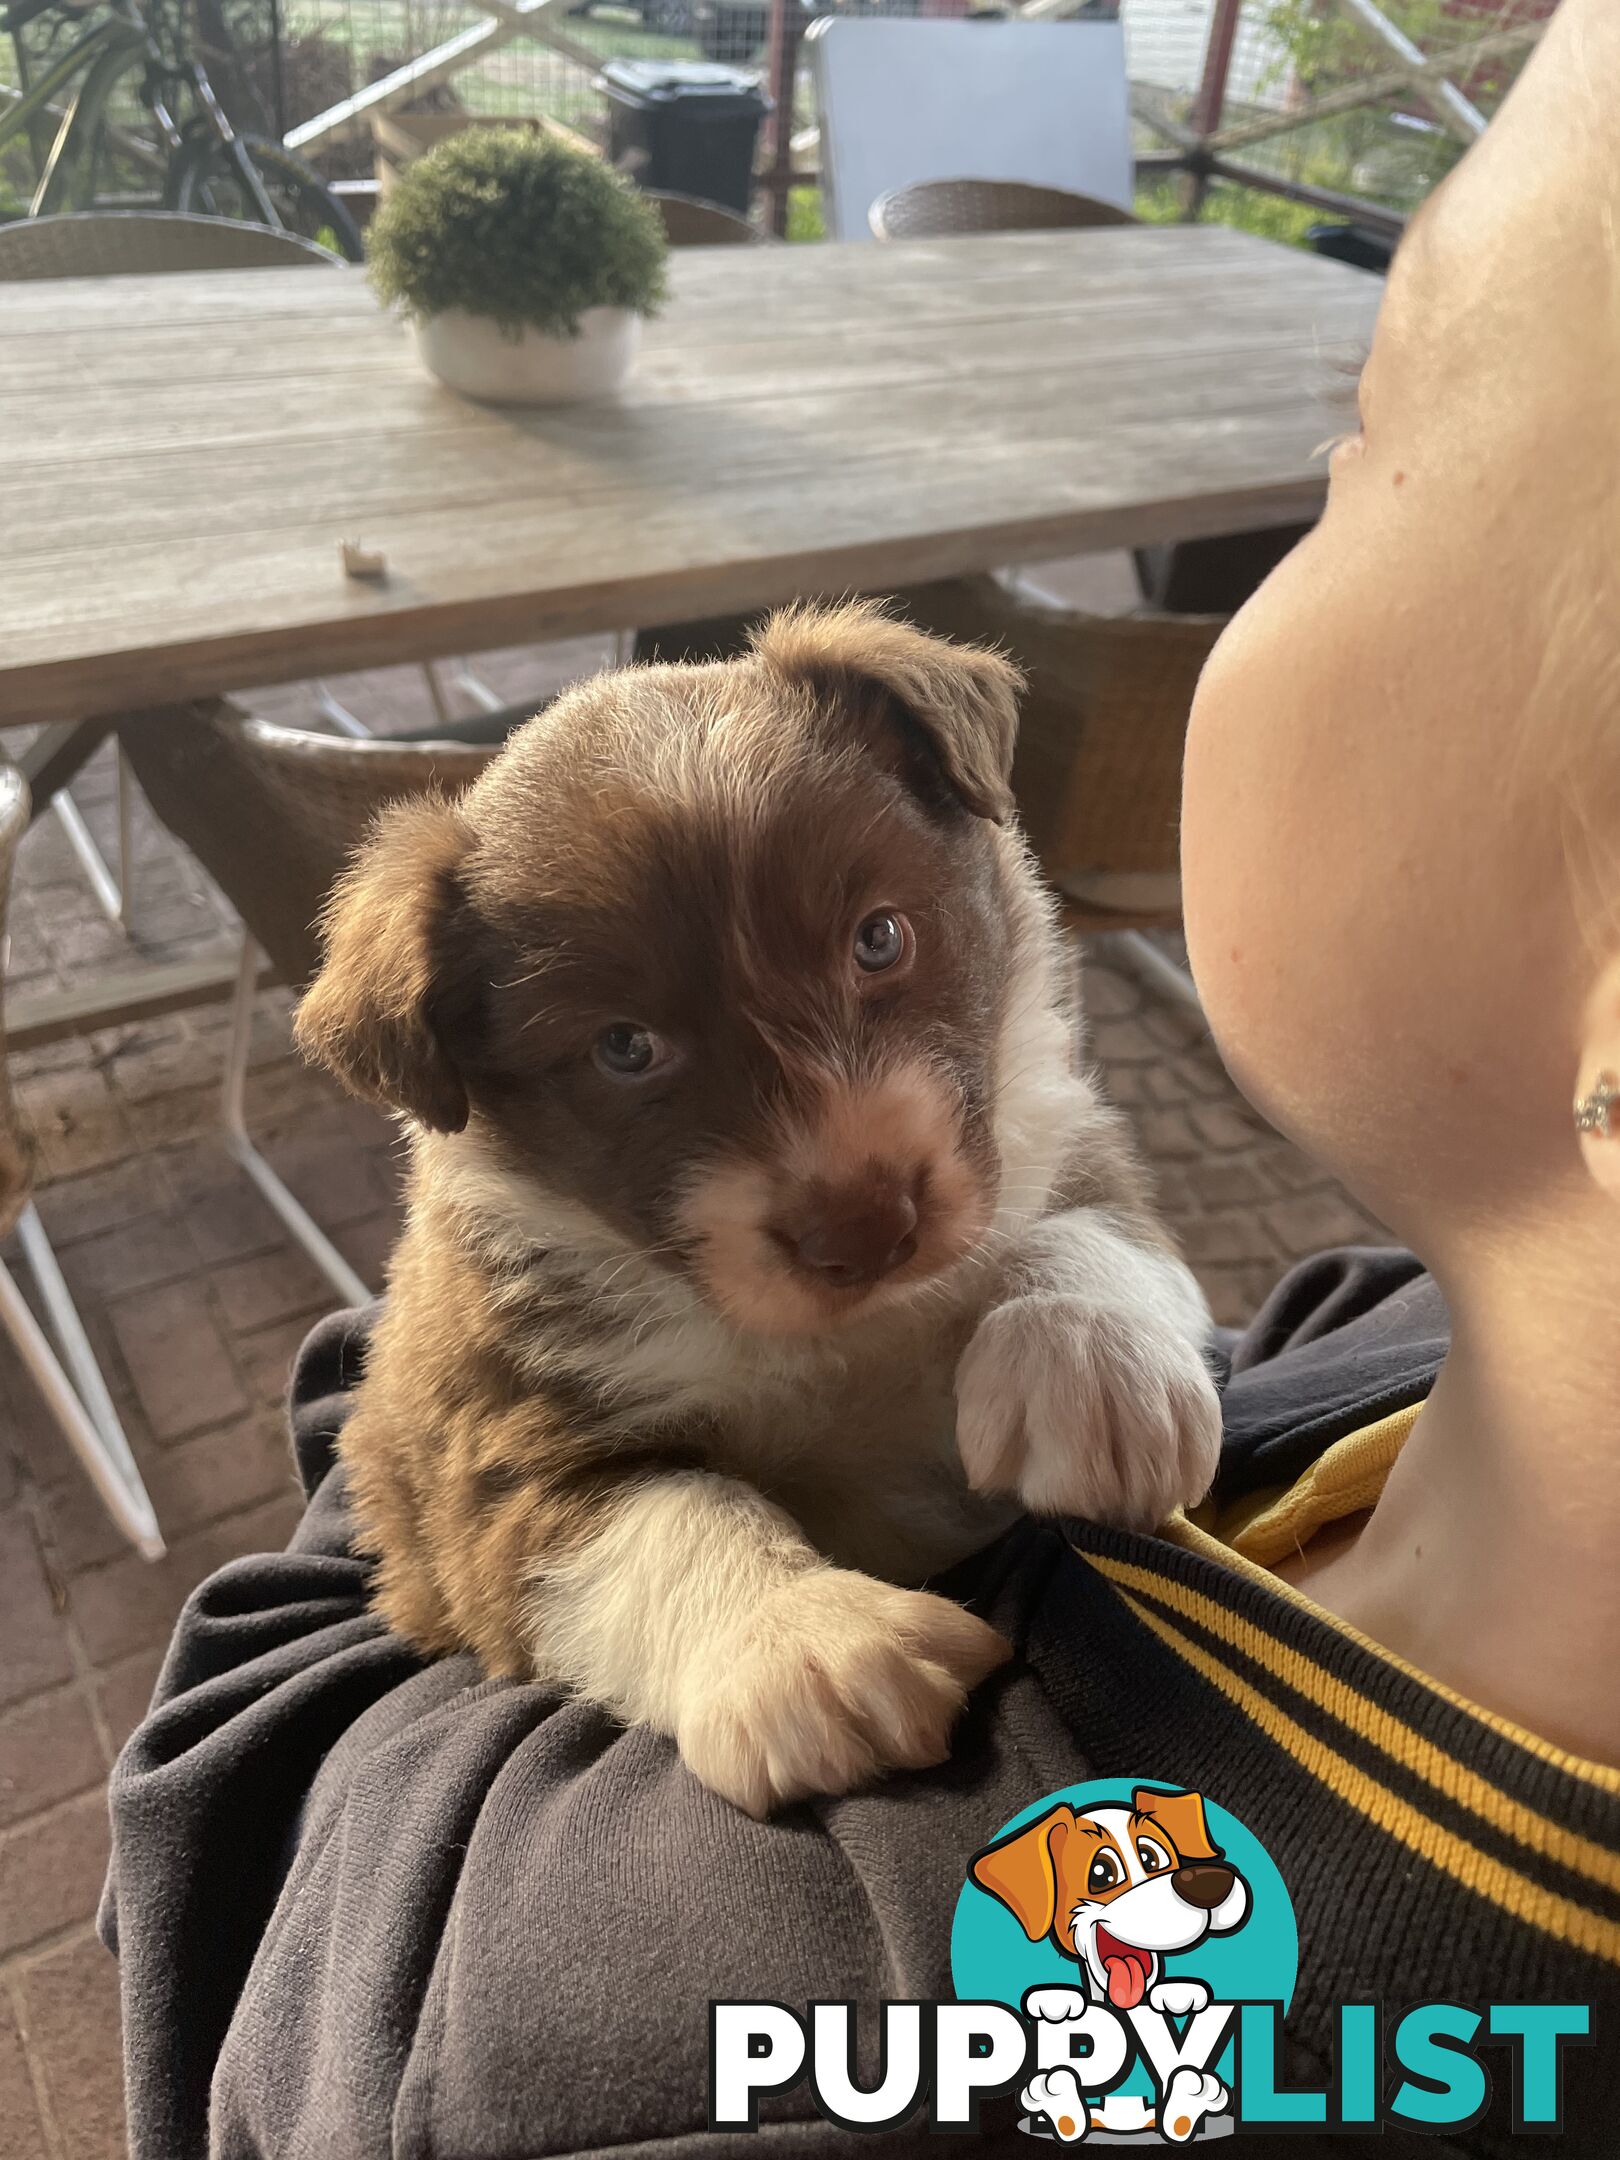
pixel 1119 1889
pixel 738 1056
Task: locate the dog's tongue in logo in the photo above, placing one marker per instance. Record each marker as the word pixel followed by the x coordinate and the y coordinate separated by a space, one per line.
pixel 1127 1968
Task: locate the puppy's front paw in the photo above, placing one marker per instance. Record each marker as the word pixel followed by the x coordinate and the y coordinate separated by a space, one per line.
pixel 837 1678
pixel 1189 2098
pixel 1055 2005
pixel 1179 1998
pixel 1055 2095
pixel 1087 1410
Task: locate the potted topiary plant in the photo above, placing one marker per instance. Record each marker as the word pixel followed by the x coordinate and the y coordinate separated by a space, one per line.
pixel 525 264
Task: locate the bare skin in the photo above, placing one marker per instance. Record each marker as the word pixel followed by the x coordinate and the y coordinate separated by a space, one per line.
pixel 1401 837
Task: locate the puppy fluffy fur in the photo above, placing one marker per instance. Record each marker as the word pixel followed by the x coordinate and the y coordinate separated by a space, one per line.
pixel 767 1243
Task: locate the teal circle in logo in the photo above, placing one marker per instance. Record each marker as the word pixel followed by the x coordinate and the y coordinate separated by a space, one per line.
pixel 1256 1960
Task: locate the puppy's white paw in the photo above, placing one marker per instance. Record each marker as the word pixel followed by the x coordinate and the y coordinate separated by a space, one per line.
pixel 1179 1998
pixel 1055 2005
pixel 836 1679
pixel 1056 2095
pixel 1087 1410
pixel 1190 2096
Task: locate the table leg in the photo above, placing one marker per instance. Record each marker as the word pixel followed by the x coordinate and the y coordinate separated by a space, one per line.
pixel 57 753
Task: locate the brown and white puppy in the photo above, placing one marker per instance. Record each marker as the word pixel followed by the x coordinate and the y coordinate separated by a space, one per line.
pixel 739 1059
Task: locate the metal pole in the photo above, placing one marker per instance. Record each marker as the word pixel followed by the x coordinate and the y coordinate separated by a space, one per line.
pixel 77 1396
pixel 278 71
pixel 297 1218
pixel 1210 101
pixel 787 28
pixel 1454 106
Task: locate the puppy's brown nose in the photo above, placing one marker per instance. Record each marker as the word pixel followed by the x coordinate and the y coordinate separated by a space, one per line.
pixel 1204 1887
pixel 859 1241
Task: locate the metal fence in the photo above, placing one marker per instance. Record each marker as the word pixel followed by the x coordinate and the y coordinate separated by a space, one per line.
pixel 532 57
pixel 1340 105
pixel 1311 105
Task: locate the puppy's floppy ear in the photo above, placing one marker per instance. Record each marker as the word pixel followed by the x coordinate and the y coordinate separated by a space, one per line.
pixel 962 698
pixel 370 1014
pixel 1022 1871
pixel 1181 1817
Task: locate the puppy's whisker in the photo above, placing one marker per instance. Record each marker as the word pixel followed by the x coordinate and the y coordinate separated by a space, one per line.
pixel 542 967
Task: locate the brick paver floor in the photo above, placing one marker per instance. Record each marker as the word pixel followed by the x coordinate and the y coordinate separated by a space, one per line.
pixel 195 1302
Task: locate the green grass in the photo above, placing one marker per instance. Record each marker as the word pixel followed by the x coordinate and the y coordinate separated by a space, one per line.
pixel 1271 217
pixel 1158 202
pixel 805 221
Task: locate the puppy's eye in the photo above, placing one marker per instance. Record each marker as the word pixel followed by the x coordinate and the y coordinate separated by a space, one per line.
pixel 1152 1856
pixel 625 1051
pixel 882 941
pixel 1105 1873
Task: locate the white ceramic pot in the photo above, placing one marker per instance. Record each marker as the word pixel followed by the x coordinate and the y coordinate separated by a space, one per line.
pixel 473 355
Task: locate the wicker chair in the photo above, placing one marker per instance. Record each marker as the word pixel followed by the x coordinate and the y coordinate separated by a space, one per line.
pixel 690 222
pixel 272 813
pixel 145 243
pixel 937 209
pixel 1098 769
pixel 1097 774
pixel 65 1369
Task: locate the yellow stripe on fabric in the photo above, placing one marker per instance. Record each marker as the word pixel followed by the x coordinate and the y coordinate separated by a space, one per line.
pixel 1386 1732
pixel 1514 1893
pixel 1345 1479
pixel 1190 1539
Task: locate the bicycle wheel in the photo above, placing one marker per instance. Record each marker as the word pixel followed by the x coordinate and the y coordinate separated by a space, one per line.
pixel 203 179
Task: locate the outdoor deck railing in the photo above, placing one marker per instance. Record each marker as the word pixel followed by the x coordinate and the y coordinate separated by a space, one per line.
pixel 1346 107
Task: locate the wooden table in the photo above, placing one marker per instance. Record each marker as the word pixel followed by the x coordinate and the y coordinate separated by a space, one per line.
pixel 181 457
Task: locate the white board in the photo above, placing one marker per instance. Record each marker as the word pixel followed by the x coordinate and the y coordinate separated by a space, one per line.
pixel 901 101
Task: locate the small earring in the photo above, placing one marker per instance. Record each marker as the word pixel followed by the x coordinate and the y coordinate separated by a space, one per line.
pixel 1594 1112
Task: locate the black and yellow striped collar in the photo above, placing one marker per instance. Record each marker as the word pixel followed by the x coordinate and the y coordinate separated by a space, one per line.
pixel 1521 1823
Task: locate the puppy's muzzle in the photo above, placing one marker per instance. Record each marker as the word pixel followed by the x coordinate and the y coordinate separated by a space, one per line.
pixel 851 1237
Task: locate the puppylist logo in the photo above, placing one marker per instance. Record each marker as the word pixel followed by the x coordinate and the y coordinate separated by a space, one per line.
pixel 1123 1956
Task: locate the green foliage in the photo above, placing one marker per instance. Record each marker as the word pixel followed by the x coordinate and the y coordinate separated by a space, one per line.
pixel 518 226
pixel 805 219
pixel 1272 217
pixel 1363 151
pixel 1327 48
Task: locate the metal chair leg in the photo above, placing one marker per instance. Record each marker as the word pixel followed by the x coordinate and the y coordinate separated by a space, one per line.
pixel 126 838
pixel 474 686
pixel 348 723
pixel 340 716
pixel 442 712
pixel 304 1228
pixel 1157 970
pixel 112 893
pixel 107 889
pixel 78 1397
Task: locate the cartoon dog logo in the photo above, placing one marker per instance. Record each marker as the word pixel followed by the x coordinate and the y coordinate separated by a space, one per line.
pixel 1119 1889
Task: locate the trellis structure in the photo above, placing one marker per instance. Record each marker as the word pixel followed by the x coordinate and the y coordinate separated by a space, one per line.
pixel 1204 146
pixel 1204 138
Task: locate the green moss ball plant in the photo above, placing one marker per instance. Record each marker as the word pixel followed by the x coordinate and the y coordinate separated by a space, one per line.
pixel 524 263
